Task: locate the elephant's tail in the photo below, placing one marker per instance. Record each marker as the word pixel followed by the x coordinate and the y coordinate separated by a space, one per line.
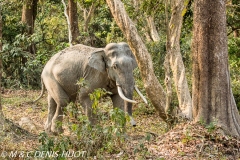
pixel 42 92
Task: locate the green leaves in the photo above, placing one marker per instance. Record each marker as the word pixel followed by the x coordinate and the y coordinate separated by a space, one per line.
pixel 20 66
pixel 95 97
pixel 119 117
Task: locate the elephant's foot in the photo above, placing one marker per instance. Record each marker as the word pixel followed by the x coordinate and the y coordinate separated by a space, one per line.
pixel 56 129
pixel 47 127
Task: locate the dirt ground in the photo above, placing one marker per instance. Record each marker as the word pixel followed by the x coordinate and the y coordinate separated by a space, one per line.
pixel 184 141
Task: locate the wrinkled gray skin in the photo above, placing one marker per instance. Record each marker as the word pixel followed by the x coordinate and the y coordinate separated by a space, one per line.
pixel 100 68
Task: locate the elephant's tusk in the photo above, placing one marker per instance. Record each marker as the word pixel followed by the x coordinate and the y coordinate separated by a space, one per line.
pixel 123 97
pixel 140 94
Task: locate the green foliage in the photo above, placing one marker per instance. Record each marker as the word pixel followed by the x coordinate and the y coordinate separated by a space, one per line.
pixel 21 69
pixel 52 148
pixel 140 150
pixel 47 144
pixel 104 27
pixel 187 136
pixel 82 83
pixel 11 17
pixel 85 3
pixel 95 97
pixel 17 72
pixel 233 16
pixel 234 61
pixel 158 52
pixel 211 126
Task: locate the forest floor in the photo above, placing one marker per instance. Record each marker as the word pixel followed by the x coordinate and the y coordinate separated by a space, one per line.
pixel 150 139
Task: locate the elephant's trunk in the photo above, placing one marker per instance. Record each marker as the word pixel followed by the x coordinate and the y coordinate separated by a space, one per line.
pixel 127 96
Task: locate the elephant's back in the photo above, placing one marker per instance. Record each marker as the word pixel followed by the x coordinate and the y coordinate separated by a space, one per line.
pixel 73 54
pixel 67 66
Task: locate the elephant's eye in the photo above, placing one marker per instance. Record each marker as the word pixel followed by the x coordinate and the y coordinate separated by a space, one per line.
pixel 114 66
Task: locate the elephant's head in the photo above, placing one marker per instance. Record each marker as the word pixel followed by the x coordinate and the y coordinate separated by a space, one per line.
pixel 118 61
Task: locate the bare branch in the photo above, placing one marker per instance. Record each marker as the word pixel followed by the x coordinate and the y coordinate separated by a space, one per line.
pixel 68 22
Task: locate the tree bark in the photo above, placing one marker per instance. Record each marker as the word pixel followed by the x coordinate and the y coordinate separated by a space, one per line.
pixel 212 95
pixel 1 25
pixel 153 88
pixel 29 13
pixel 175 58
pixel 73 19
pixel 168 80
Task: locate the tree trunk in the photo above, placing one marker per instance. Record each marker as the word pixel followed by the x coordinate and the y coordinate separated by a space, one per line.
pixel 166 64
pixel 73 18
pixel 1 25
pixel 29 12
pixel 175 58
pixel 153 88
pixel 212 95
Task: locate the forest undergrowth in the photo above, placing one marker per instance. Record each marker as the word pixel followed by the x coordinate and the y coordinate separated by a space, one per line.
pixel 23 136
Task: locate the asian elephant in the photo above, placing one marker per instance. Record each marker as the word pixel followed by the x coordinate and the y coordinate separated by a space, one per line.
pixel 110 68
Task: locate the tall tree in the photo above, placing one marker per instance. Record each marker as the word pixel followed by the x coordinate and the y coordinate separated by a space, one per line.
pixel 212 95
pixel 73 19
pixel 153 88
pixel 174 57
pixel 29 13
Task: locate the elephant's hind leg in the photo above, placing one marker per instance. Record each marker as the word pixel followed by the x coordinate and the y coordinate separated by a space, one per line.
pixel 52 105
pixel 61 99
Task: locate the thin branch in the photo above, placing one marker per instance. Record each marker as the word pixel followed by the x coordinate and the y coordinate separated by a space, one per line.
pixel 89 16
pixel 68 22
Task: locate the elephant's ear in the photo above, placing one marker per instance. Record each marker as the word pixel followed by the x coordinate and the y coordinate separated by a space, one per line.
pixel 96 61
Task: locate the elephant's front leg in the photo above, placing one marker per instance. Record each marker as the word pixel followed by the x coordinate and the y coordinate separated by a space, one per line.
pixel 118 101
pixel 87 106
